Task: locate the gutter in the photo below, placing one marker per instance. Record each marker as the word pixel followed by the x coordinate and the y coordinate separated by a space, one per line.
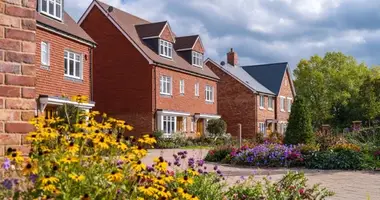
pixel 184 71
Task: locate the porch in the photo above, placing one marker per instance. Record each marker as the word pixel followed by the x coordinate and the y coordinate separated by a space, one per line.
pixel 272 125
pixel 48 105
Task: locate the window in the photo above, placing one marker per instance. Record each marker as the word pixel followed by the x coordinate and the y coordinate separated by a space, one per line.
pixel 270 103
pixel 282 102
pixel 169 124
pixel 182 86
pixel 262 102
pixel 166 85
pixel 197 59
pixel 196 89
pixel 166 48
pixel 209 93
pixel 45 53
pixel 261 127
pixel 289 104
pixel 52 8
pixel 73 65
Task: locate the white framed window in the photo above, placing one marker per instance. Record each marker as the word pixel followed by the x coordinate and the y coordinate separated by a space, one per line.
pixel 282 104
pixel 196 89
pixel 166 85
pixel 270 103
pixel 51 8
pixel 169 124
pixel 289 104
pixel 197 59
pixel 182 86
pixel 209 93
pixel 262 101
pixel 73 65
pixel 261 127
pixel 45 53
pixel 165 48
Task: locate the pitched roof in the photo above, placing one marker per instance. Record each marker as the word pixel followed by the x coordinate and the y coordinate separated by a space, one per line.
pixel 127 23
pixel 242 76
pixel 270 75
pixel 150 29
pixel 185 42
pixel 67 26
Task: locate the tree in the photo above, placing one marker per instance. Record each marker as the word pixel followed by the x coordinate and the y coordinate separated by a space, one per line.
pixel 369 99
pixel 216 127
pixel 300 129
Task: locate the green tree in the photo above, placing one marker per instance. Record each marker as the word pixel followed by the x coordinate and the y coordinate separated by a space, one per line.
pixel 369 99
pixel 216 127
pixel 300 129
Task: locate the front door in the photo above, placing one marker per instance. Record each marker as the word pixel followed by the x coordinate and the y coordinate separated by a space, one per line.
pixel 200 126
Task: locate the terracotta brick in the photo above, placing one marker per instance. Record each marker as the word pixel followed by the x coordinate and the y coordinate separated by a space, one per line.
pixel 10 68
pixel 28 70
pixel 16 2
pixel 19 57
pixel 24 140
pixel 9 21
pixel 10 115
pixel 10 139
pixel 29 47
pixel 27 115
pixel 19 11
pixel 9 91
pixel 2 7
pixel 1 55
pixel 1 103
pixel 25 149
pixel 18 127
pixel 20 34
pixel 7 44
pixel 1 79
pixel 28 93
pixel 1 32
pixel 29 3
pixel 2 150
pixel 1 126
pixel 11 79
pixel 22 104
pixel 29 24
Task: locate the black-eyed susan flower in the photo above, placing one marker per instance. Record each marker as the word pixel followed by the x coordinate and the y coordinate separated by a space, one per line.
pixel 138 166
pixel 185 180
pixel 33 137
pixel 78 135
pixel 192 172
pixel 30 168
pixel 72 147
pixel 122 146
pixel 159 180
pixel 101 142
pixel 139 151
pixel 160 164
pixel 48 188
pixel 69 160
pixel 85 197
pixel 76 177
pixel 167 178
pixel 147 190
pixel 16 156
pixel 49 180
pixel 115 176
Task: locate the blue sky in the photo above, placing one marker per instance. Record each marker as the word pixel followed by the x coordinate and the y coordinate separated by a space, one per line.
pixel 264 31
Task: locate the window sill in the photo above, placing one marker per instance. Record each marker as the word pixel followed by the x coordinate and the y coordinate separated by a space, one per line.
pixel 167 57
pixel 262 108
pixel 282 110
pixel 76 80
pixel 182 94
pixel 166 95
pixel 45 67
pixel 210 102
pixel 270 109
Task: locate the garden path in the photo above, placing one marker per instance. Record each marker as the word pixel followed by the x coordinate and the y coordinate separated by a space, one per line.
pixel 348 185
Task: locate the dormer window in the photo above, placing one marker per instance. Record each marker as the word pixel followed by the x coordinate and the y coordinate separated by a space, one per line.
pixel 166 49
pixel 197 59
pixel 51 8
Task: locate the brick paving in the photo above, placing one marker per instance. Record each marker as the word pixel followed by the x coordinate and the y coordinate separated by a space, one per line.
pixel 348 185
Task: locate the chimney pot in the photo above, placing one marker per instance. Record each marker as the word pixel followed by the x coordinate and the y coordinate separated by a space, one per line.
pixel 232 58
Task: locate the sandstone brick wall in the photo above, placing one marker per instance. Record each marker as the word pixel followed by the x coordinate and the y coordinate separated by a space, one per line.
pixel 17 72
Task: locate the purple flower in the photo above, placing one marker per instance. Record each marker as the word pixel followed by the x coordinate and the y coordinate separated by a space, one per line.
pixel 6 164
pixel 200 171
pixel 200 163
pixel 119 162
pixel 215 167
pixel 7 183
pixel 33 178
pixel 191 162
pixel 218 171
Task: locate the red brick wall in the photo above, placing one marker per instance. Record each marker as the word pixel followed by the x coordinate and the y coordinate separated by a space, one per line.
pixel 286 91
pixel 264 114
pixel 236 104
pixel 198 46
pixel 52 81
pixel 17 73
pixel 122 76
pixel 167 35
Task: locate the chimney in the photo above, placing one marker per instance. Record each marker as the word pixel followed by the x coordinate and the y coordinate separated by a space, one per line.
pixel 232 58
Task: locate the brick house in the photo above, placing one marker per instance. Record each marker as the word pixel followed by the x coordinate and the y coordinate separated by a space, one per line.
pixel 146 75
pixel 63 58
pixel 259 97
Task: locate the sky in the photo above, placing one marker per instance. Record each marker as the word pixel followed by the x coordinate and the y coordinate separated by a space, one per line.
pixel 265 31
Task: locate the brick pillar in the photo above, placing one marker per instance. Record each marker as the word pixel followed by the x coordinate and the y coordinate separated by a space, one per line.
pixel 17 72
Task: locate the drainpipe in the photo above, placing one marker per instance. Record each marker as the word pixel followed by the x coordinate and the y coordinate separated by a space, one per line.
pixel 155 98
pixel 91 75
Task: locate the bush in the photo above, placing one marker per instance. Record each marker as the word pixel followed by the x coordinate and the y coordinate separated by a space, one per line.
pixel 300 129
pixel 259 138
pixel 342 159
pixel 216 127
pixel 218 154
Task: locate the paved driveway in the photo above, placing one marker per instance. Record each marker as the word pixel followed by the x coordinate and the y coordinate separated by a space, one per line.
pixel 348 185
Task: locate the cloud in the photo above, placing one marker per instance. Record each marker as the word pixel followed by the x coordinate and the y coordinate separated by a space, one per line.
pixel 263 31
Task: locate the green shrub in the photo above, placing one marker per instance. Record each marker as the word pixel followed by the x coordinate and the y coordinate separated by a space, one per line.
pixel 259 138
pixel 218 154
pixel 158 134
pixel 342 159
pixel 207 187
pixel 216 127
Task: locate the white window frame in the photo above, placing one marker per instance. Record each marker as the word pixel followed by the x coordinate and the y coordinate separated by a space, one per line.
pixel 166 86
pixel 209 93
pixel 165 48
pixel 270 103
pixel 262 102
pixel 197 59
pixel 46 52
pixel 55 3
pixel 196 89
pixel 261 127
pixel 182 86
pixel 75 60
pixel 168 124
pixel 289 104
pixel 282 104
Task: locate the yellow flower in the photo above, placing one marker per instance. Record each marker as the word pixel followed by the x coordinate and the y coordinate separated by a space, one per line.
pixel 122 146
pixel 30 169
pixel 185 180
pixel 140 198
pixel 49 179
pixel 49 133
pixel 80 99
pixel 128 158
pixel 69 160
pixel 146 190
pixel 78 135
pixel 76 178
pixel 16 157
pixel 48 188
pixel 129 127
pixel 33 137
pixel 115 176
pixel 138 166
pixel 160 164
pixel 159 180
pixel 167 178
pixel 192 172
pixel 147 139
pixel 139 152
pixel 73 148
pixel 101 142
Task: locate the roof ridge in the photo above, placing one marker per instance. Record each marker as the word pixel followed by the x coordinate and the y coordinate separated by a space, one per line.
pixel 123 11
pixel 266 64
pixel 197 35
pixel 151 23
